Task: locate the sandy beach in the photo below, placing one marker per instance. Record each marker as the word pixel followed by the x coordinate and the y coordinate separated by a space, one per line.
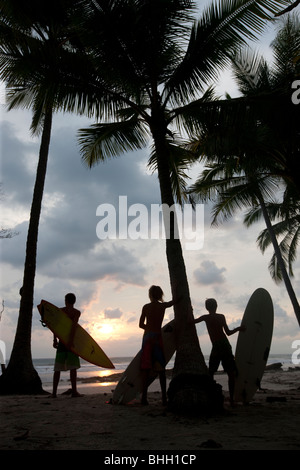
pixel 91 422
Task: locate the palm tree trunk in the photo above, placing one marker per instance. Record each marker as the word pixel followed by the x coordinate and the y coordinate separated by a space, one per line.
pixel 20 375
pixel 277 251
pixel 191 388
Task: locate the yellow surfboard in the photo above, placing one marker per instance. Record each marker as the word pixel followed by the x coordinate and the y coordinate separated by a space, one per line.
pixel 83 344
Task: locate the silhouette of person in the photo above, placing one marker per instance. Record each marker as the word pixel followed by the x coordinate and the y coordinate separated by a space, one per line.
pixel 152 357
pixel 221 349
pixel 66 359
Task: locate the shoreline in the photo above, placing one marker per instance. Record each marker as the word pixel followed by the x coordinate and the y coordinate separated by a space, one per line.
pixel 107 383
pixel 39 422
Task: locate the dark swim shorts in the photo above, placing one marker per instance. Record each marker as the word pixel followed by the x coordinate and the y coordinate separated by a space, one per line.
pixel 221 353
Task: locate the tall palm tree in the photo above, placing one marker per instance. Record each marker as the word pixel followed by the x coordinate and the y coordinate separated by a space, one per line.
pixel 251 158
pixel 235 189
pixel 38 65
pixel 153 63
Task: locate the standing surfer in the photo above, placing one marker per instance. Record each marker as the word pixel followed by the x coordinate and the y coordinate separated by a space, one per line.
pixel 152 357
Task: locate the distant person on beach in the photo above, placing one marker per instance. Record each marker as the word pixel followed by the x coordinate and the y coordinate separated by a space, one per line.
pixel 221 348
pixel 66 359
pixel 152 357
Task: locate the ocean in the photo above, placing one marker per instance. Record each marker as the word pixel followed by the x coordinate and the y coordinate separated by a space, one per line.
pixel 103 378
pixel 87 374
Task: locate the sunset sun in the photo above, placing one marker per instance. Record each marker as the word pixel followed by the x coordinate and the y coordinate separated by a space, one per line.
pixel 105 330
pixel 100 331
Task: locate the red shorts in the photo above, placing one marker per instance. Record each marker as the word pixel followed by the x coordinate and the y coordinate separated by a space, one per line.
pixel 153 352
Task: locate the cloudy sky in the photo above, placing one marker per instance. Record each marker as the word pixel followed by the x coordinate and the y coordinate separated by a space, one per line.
pixel 111 277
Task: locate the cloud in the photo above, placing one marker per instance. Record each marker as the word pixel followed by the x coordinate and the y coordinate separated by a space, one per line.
pixel 209 273
pixel 18 159
pixel 68 245
pixel 113 313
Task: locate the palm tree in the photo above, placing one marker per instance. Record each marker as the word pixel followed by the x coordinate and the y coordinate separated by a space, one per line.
pixel 252 158
pixel 153 62
pixel 38 65
pixel 285 216
pixel 234 189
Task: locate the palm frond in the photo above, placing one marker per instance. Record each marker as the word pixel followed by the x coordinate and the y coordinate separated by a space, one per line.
pixel 286 229
pixel 286 47
pixel 102 141
pixel 251 72
pixel 223 27
pixel 190 117
pixel 288 9
pixel 288 256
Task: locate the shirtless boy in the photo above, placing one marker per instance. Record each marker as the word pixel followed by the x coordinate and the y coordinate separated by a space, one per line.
pixel 221 348
pixel 65 359
pixel 152 347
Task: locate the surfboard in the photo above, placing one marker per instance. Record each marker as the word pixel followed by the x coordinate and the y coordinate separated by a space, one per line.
pixel 130 385
pixel 253 345
pixel 83 344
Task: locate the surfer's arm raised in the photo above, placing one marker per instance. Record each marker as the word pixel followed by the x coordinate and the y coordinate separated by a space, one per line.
pixel 200 319
pixel 172 302
pixel 232 332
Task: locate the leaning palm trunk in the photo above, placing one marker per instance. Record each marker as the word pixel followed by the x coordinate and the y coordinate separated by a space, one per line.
pixel 20 375
pixel 191 389
pixel 280 261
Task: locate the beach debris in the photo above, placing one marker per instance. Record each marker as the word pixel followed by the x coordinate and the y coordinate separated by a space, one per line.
pixel 211 444
pixel 275 366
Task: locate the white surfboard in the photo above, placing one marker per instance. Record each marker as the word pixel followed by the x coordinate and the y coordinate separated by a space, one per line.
pixel 130 384
pixel 253 345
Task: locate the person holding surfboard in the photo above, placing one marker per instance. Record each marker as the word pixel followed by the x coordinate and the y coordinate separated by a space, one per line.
pixel 152 357
pixel 221 349
pixel 66 359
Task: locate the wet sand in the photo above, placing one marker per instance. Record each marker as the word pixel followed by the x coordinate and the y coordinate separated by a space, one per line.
pixel 91 422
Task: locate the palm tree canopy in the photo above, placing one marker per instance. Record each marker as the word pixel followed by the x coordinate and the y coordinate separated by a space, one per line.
pixel 152 63
pixel 252 150
pixel 258 132
pixel 39 56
